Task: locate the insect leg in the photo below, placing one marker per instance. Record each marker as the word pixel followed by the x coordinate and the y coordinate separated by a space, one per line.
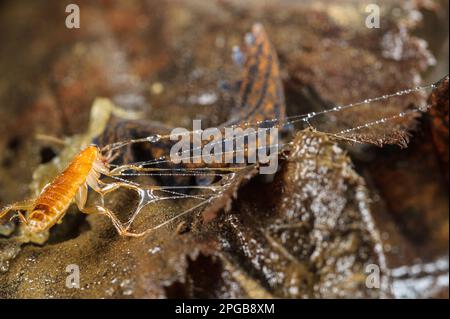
pixel 81 197
pixel 117 224
pixel 50 139
pixel 105 188
pixel 22 218
pixel 25 205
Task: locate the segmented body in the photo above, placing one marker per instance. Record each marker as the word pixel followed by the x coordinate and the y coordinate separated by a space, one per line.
pixel 261 90
pixel 56 197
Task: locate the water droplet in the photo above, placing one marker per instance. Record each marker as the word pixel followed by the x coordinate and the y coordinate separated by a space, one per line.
pixel 423 108
pixel 127 287
pixel 154 250
pixel 237 56
pixel 153 138
pixel 249 39
pixel 207 98
pixel 311 115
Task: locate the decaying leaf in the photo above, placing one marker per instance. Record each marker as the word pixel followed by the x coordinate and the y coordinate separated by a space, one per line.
pixel 439 116
pixel 410 198
pixel 309 233
pixel 352 63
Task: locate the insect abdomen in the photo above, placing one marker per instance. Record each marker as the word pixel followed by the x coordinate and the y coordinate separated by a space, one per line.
pixel 57 196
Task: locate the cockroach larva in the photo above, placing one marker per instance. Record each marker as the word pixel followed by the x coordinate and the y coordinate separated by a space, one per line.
pixel 70 186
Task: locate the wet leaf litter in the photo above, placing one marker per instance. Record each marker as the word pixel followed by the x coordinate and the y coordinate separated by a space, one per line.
pixel 233 236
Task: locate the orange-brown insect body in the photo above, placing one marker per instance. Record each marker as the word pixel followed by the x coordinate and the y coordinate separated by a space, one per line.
pixel 56 197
